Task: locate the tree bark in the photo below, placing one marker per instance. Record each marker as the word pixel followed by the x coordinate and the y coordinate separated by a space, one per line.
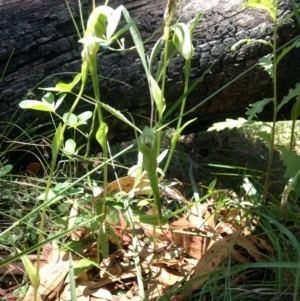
pixel 43 42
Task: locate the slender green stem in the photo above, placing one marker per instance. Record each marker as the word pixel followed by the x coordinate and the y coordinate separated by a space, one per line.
pixel 156 194
pixel 72 17
pixel 187 72
pixel 273 131
pixel 292 141
pixel 186 86
pixel 49 182
pixel 101 211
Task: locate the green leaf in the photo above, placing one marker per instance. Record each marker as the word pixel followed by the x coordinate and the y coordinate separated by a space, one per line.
pixel 72 282
pixel 228 124
pixel 257 107
pixel 267 5
pixel 285 50
pixel 51 195
pixel 70 146
pixel 48 98
pixel 57 141
pixel 267 63
pixel 113 21
pixel 195 21
pixel 138 42
pixel 159 100
pixel 150 219
pixel 62 87
pixel 72 119
pixel 83 117
pixel 60 100
pixel 292 93
pixel 36 105
pixel 155 50
pixel 266 137
pixel 123 30
pixel 119 115
pixel 183 41
pixel 295 113
pixel 249 41
pixel 82 265
pixel 178 132
pixel 211 186
pixel 90 40
pixel 97 21
pixel 101 134
pixel 147 145
pixel 291 160
pixel 172 51
pixel 30 270
pixel 6 169
pixel 75 81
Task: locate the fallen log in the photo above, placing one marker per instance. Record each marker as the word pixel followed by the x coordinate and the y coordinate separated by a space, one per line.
pixel 43 42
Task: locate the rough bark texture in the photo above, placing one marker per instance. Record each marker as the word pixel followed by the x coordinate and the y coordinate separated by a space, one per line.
pixel 45 43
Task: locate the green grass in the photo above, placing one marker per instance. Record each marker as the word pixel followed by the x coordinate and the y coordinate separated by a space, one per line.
pixel 240 176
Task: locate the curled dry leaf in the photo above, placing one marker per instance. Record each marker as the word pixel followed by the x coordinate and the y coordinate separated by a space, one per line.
pixel 126 184
pixel 211 259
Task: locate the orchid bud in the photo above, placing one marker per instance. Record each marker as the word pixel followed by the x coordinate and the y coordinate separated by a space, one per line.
pixel 147 144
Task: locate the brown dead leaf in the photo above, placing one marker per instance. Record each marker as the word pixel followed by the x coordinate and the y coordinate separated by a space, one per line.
pixel 261 243
pixel 238 257
pixel 211 260
pixel 52 277
pixel 34 168
pixel 168 278
pixel 51 252
pixel 195 245
pixel 126 184
pixel 250 247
